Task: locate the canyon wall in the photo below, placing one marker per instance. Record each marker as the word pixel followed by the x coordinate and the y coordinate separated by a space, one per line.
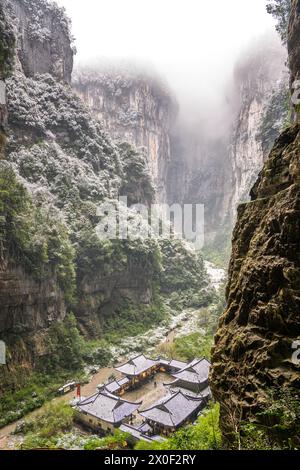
pixel 43 40
pixel 134 107
pixel 187 166
pixel 218 169
pixel 60 165
pixel 28 305
pixel 261 88
pixel 253 346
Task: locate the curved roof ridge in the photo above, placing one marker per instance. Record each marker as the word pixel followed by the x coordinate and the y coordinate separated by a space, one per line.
pixel 132 359
pixel 163 402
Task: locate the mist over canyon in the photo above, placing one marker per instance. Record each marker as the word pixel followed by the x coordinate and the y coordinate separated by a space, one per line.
pixel 193 109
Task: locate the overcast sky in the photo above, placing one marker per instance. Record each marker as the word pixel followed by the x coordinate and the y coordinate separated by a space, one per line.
pixel 193 43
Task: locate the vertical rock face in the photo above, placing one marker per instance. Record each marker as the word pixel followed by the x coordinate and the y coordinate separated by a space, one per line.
pixel 135 108
pixel 293 43
pixel 43 38
pixel 261 83
pixel 6 57
pixel 208 181
pixel 219 171
pixel 253 346
pixel 28 306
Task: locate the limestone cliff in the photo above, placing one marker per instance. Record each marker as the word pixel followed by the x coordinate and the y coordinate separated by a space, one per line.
pixel 43 41
pixel 28 304
pixel 60 166
pixel 219 169
pixel 253 346
pixel 135 107
pixel 293 43
pixel 208 180
pixel 6 58
pixel 261 87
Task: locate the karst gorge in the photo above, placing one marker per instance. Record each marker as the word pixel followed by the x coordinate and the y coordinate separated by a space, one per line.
pixel 156 340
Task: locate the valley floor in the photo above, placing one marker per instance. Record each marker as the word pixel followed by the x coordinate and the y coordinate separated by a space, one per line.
pixel 154 342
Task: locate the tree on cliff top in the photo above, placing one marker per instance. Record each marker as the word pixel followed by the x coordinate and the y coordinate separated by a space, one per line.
pixel 280 10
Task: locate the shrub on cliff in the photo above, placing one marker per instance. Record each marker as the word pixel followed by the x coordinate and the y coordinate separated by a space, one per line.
pixel 183 268
pixel 137 183
pixel 65 347
pixel 280 10
pixel 48 109
pixel 7 43
pixel 277 426
pixel 31 235
pixel 36 9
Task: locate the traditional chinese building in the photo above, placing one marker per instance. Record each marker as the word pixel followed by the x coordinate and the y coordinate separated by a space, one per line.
pixel 117 387
pixel 173 412
pixel 192 379
pixel 139 369
pixel 171 367
pixel 140 433
pixel 103 412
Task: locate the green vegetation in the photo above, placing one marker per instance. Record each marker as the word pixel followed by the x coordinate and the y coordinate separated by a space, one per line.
pixel 65 347
pixel 116 442
pixel 187 348
pixel 183 268
pixel 280 10
pixel 218 252
pixel 277 426
pixel 204 435
pixel 7 44
pixel 67 352
pixel 194 345
pixel 53 428
pixel 42 430
pixel 137 184
pixel 132 319
pixel 199 343
pixel 183 280
pixel 34 393
pixel 97 352
pixel 31 236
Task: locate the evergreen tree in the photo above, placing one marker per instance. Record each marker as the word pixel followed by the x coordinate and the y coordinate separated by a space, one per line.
pixel 280 10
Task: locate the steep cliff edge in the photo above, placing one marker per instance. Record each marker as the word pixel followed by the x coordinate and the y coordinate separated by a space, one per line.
pixel 31 297
pixel 261 87
pixel 60 166
pixel 43 40
pixel 7 43
pixel 218 168
pixel 253 346
pixel 134 107
pixel 293 41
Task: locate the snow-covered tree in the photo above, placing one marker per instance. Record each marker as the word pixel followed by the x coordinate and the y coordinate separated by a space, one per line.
pixel 280 10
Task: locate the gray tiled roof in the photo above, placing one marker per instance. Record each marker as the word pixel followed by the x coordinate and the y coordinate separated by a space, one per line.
pixel 107 407
pixel 173 410
pixel 135 432
pixel 178 364
pixel 175 364
pixel 137 365
pixel 196 372
pixel 174 388
pixel 112 387
pixel 145 428
pixel 115 385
